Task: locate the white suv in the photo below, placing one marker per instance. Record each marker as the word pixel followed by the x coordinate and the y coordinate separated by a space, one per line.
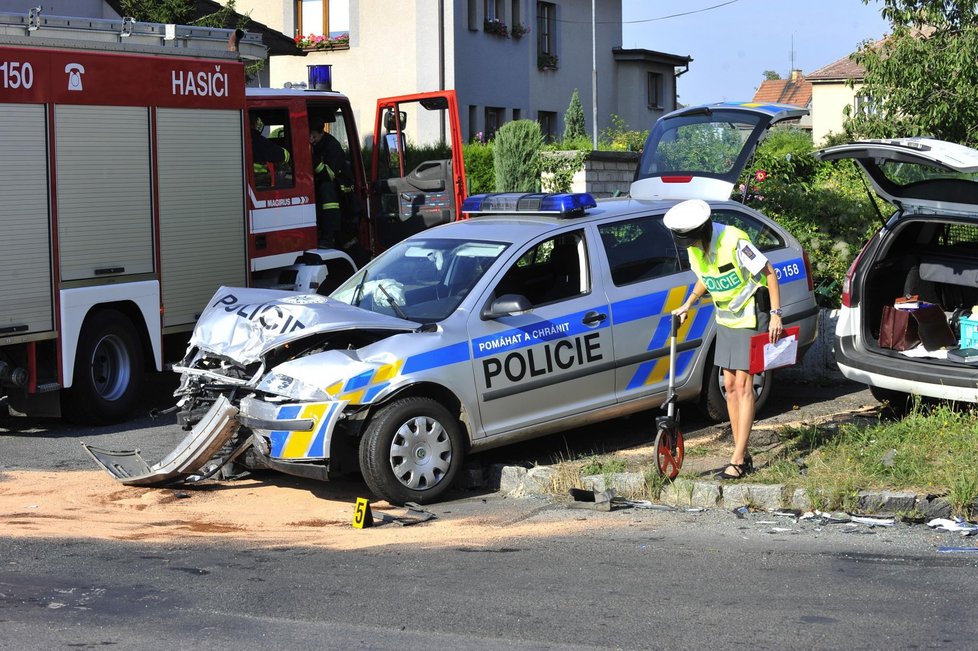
pixel 927 248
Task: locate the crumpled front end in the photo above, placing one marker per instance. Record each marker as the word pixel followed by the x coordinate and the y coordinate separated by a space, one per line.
pixel 260 402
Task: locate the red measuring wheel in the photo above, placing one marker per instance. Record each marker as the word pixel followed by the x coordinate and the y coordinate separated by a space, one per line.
pixel 669 450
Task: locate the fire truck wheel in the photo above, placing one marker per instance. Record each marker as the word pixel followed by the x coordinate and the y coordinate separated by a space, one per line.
pixel 714 396
pixel 411 451
pixel 108 370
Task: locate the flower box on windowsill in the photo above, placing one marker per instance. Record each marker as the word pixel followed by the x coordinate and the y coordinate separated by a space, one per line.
pixel 330 48
pixel 496 28
pixel 316 43
pixel 547 62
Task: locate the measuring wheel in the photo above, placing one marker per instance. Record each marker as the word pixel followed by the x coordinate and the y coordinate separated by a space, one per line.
pixel 669 450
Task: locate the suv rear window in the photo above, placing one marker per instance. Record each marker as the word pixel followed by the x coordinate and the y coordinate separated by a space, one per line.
pixel 903 174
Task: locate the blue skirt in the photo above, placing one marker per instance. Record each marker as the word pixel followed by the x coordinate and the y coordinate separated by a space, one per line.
pixel 733 344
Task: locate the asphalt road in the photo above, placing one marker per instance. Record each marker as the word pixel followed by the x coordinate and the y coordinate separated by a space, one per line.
pixel 632 579
pixel 636 580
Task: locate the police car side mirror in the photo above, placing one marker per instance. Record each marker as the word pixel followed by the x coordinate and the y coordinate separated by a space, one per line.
pixel 507 305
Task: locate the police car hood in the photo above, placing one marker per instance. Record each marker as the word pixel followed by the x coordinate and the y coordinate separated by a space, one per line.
pixel 242 324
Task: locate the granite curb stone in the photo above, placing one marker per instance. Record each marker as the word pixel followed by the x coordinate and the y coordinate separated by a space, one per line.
pixel 517 481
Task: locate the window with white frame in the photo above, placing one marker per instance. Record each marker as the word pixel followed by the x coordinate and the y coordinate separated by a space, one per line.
pixel 323 17
pixel 865 105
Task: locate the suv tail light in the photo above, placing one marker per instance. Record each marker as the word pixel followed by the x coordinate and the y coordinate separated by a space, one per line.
pixel 808 271
pixel 847 281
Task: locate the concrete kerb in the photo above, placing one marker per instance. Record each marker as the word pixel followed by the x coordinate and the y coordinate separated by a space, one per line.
pixel 517 481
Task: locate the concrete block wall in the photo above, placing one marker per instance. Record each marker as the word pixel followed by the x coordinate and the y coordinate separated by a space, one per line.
pixel 606 173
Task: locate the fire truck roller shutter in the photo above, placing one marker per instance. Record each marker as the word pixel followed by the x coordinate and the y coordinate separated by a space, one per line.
pixel 105 209
pixel 25 259
pixel 202 208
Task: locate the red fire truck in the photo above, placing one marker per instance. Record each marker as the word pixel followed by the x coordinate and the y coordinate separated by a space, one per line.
pixel 129 192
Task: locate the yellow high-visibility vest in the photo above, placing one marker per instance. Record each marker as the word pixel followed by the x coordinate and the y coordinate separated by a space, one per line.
pixel 731 286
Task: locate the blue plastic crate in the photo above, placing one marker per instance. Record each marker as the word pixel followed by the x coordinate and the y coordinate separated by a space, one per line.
pixel 969 332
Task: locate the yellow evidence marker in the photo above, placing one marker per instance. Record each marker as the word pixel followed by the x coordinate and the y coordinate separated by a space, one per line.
pixel 362 515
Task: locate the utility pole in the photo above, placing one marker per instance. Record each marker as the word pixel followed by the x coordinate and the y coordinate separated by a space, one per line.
pixel 594 80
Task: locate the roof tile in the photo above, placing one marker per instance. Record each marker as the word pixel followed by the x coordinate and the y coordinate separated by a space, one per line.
pixel 797 92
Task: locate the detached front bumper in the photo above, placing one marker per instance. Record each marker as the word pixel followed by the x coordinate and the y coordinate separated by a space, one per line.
pixel 291 438
pixel 202 444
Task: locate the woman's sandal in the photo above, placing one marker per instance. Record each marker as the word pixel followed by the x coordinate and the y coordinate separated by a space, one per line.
pixel 741 469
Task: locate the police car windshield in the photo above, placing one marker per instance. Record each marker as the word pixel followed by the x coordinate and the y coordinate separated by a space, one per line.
pixel 423 280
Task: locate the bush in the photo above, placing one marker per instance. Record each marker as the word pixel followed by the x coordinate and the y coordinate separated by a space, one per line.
pixel 824 205
pixel 574 118
pixel 479 172
pixel 618 137
pixel 516 156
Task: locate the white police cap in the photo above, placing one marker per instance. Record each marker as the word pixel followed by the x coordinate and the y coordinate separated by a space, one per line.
pixel 687 215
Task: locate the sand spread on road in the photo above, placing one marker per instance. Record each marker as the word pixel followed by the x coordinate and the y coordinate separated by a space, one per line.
pixel 90 504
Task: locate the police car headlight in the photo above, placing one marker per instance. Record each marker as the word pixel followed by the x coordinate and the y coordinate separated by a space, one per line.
pixel 290 387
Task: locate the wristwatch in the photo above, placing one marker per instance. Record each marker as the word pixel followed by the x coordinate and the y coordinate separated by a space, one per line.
pixel 776 312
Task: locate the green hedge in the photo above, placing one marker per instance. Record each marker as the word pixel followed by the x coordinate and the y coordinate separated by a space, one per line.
pixel 824 205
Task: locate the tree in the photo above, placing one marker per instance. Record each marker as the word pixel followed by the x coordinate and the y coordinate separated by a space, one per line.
pixel 516 156
pixel 574 118
pixel 181 12
pixel 771 75
pixel 923 78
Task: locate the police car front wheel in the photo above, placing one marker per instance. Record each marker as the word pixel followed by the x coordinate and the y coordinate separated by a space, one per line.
pixel 411 451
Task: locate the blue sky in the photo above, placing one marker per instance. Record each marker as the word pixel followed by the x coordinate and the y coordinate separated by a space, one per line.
pixel 732 42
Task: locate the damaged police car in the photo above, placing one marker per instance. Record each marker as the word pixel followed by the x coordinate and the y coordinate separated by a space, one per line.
pixel 539 313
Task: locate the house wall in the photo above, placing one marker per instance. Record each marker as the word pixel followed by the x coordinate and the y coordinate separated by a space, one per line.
pixel 394 55
pixel 551 91
pixel 829 99
pixel 388 55
pixel 395 49
pixel 277 15
pixel 633 107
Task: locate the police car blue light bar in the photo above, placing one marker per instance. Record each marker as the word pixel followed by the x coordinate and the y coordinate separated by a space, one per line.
pixel 567 204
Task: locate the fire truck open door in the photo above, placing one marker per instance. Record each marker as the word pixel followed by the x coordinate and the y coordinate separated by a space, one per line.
pixel 419 186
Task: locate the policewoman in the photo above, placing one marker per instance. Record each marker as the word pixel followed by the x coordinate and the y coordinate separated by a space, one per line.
pixel 744 289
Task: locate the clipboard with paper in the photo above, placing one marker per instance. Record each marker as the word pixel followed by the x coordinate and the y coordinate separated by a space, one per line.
pixel 765 356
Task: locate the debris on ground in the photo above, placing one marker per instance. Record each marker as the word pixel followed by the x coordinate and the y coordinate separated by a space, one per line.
pixel 956 550
pixel 873 522
pixel 606 500
pixel 593 500
pixel 957 524
pixel 415 515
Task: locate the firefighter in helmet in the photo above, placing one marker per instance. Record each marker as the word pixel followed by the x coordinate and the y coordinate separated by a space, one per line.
pixel 334 187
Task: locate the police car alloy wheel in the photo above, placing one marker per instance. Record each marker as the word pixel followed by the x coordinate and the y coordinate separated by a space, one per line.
pixel 411 451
